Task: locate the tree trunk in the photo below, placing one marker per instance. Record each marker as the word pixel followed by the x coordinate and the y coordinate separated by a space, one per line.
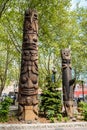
pixel 67 82
pixel 28 84
pixel 3 75
pixel 1 88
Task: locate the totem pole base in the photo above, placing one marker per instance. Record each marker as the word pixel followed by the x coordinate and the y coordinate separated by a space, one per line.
pixel 29 115
pixel 69 108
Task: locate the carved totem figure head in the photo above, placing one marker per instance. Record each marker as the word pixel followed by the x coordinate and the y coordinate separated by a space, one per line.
pixel 65 54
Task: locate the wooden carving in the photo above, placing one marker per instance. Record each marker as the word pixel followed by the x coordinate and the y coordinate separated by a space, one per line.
pixel 68 82
pixel 28 84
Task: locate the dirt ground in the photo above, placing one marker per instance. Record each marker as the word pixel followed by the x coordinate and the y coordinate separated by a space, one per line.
pixel 14 120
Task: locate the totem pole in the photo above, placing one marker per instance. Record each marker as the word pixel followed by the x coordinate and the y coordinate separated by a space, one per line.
pixel 67 82
pixel 28 83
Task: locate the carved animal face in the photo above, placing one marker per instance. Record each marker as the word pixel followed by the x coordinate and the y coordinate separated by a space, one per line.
pixel 31 21
pixel 30 38
pixel 32 14
pixel 65 54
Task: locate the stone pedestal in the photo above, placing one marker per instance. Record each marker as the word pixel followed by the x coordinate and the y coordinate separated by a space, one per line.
pixel 28 113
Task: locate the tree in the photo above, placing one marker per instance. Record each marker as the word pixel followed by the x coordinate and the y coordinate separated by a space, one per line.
pixel 7 59
pixel 79 46
pixel 4 68
pixel 12 22
pixel 50 99
pixel 59 27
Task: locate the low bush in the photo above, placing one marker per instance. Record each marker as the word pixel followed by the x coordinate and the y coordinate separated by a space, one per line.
pixel 4 109
pixel 83 108
pixel 50 103
pixel 59 117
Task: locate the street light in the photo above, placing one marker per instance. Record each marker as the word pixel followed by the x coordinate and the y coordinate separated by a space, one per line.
pixel 54 74
pixel 82 89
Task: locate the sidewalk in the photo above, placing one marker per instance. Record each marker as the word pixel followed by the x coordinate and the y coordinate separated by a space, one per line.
pixel 45 126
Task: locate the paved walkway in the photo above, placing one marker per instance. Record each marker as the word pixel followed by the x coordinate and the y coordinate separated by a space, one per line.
pixel 47 126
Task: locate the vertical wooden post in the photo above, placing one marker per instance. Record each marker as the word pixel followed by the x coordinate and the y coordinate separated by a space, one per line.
pixel 28 84
pixel 67 82
pixel 83 90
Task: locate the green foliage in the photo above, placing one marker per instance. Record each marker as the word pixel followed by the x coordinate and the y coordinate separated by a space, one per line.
pixel 66 119
pixel 50 99
pixel 59 27
pixel 52 17
pixel 4 109
pixel 59 117
pixel 52 119
pixel 50 114
pixel 83 108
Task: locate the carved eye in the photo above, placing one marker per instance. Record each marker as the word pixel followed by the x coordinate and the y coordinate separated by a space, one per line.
pixel 35 15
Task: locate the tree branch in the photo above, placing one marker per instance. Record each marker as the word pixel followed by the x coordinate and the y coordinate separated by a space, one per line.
pixel 3 7
pixel 10 26
pixel 18 50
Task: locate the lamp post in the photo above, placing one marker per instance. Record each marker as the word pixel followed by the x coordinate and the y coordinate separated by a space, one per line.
pixel 82 89
pixel 54 74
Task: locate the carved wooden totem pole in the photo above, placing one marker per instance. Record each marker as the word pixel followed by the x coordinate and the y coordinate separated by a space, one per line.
pixel 67 82
pixel 28 84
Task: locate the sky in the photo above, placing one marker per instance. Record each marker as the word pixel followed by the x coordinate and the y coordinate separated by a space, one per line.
pixel 83 3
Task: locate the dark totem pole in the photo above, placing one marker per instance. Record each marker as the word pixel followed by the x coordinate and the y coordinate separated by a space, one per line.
pixel 67 82
pixel 28 84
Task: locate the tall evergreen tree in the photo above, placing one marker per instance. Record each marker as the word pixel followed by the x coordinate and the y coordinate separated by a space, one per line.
pixel 51 99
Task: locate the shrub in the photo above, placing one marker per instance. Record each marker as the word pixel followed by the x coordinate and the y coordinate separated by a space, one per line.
pixel 66 119
pixel 52 119
pixel 4 109
pixel 83 107
pixel 50 114
pixel 59 117
pixel 51 100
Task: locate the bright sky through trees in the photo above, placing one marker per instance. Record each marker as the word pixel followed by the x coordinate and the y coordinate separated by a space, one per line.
pixel 82 3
